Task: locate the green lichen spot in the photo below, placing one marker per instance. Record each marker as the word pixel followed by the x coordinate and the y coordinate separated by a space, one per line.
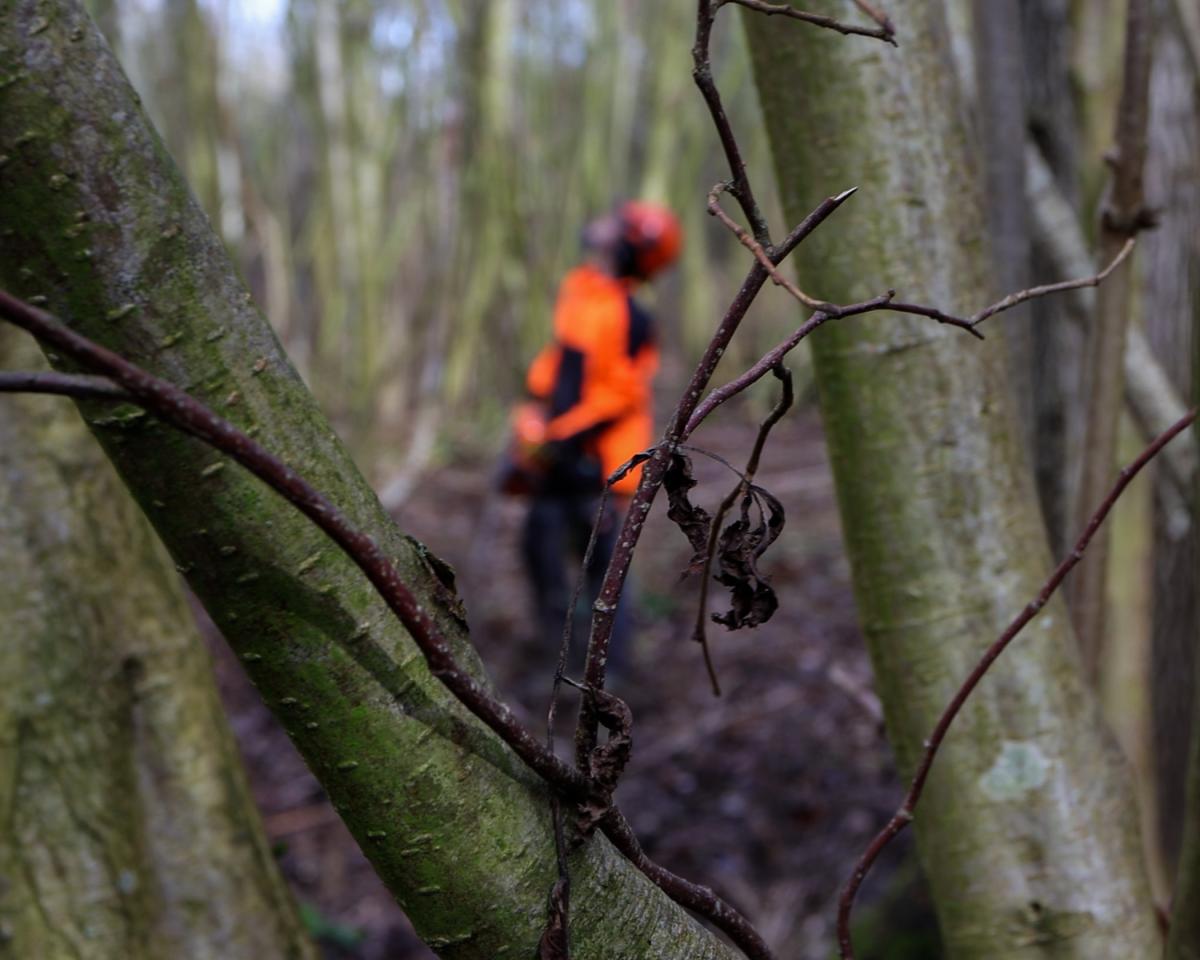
pixel 58 181
pixel 121 312
pixel 376 834
pixel 1020 768
pixel 170 340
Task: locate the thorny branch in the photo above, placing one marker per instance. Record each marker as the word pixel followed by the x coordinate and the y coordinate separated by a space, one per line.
pixel 904 814
pixel 884 31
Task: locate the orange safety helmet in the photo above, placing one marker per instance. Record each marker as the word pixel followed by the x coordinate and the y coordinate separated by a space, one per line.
pixel 653 235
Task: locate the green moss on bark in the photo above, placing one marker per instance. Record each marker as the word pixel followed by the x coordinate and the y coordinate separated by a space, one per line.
pixel 1027 829
pixel 127 831
pixel 103 228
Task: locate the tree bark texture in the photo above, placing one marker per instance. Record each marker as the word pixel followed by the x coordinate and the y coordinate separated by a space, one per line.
pixel 1027 829
pixel 1171 291
pixel 128 830
pixel 99 223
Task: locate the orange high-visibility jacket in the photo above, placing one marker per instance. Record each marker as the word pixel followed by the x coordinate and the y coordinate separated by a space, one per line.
pixel 595 377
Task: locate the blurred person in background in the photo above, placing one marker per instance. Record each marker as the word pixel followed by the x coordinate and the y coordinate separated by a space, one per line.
pixel 590 410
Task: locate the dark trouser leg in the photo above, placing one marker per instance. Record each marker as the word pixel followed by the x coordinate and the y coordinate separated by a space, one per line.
pixel 544 548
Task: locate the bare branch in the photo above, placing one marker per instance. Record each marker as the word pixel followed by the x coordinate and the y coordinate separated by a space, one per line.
pixel 772 359
pixel 884 31
pixel 687 894
pixel 178 408
pixel 64 384
pixel 747 241
pixel 706 11
pixel 1013 299
pixel 904 814
pixel 881 18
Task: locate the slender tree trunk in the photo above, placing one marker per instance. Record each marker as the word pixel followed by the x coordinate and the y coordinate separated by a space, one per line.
pixel 103 229
pixel 1171 288
pixel 128 829
pixel 938 507
pixel 1106 333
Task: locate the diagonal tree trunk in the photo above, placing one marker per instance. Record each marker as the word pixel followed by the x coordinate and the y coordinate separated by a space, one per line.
pixel 128 829
pixel 938 507
pixel 99 224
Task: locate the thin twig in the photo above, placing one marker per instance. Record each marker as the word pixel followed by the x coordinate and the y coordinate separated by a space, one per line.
pixel 706 12
pixel 883 31
pixel 655 469
pixel 772 358
pixel 1013 299
pixel 756 248
pixel 175 406
pixel 881 18
pixel 700 630
pixel 904 814
pixel 80 386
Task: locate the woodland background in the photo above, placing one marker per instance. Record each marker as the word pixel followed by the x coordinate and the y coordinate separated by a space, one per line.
pixel 403 182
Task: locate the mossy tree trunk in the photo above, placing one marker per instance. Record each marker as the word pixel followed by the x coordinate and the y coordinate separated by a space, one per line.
pixel 128 829
pixel 99 224
pixel 1027 829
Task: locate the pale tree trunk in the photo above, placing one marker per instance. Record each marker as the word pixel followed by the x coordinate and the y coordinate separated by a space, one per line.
pixel 1027 830
pixel 102 227
pixel 128 829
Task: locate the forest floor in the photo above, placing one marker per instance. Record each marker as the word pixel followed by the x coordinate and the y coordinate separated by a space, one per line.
pixel 768 793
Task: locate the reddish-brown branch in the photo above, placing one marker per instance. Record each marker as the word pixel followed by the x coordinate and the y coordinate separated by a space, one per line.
pixel 881 18
pixel 904 814
pixel 884 31
pixel 178 408
pixel 761 255
pixel 1013 299
pixel 699 899
pixel 80 386
pixel 706 13
pixel 772 359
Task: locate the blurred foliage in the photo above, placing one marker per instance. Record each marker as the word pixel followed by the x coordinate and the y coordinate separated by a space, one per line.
pixel 404 182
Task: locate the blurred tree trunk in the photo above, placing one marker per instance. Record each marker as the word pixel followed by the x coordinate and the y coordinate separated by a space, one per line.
pixel 104 230
pixel 1170 277
pixel 128 829
pixel 938 506
pixel 1184 939
pixel 1057 344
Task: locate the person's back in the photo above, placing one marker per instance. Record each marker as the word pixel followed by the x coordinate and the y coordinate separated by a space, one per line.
pixel 594 384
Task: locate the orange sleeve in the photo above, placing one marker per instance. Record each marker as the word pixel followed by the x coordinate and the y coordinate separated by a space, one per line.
pixel 539 381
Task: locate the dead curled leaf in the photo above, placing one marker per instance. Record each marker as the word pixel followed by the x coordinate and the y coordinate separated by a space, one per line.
pixel 738 548
pixel 694 521
pixel 742 543
pixel 607 761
